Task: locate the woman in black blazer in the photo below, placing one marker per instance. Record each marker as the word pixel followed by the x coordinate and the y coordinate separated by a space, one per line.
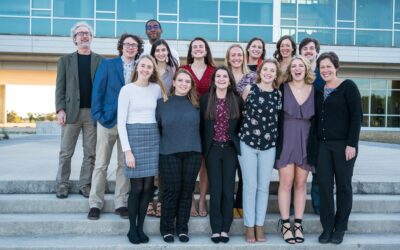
pixel 219 124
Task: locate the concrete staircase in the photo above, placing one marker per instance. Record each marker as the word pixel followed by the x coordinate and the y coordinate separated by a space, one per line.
pixel 31 217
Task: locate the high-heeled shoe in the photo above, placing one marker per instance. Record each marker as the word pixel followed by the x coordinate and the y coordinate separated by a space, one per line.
pixel 298 239
pixel 260 236
pixel 285 230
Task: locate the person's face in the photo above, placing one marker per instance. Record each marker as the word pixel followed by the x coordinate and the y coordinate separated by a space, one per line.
pixel 153 30
pixel 286 48
pixel 83 37
pixel 268 72
pixel 222 79
pixel 298 70
pixel 309 51
pixel 182 84
pixel 327 70
pixel 236 57
pixel 161 53
pixel 129 48
pixel 255 50
pixel 145 69
pixel 199 49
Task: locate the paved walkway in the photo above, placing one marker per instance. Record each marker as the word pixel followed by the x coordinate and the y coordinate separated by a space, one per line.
pixel 35 157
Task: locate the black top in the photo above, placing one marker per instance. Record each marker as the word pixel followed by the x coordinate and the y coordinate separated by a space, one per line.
pixel 252 67
pixel 339 117
pixel 259 128
pixel 179 124
pixel 85 81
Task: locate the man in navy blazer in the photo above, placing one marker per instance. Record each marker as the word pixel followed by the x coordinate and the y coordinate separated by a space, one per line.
pixel 111 76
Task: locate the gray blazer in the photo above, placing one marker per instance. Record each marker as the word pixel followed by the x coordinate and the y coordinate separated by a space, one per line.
pixel 67 84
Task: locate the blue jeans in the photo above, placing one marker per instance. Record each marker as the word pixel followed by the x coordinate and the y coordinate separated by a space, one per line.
pixel 256 168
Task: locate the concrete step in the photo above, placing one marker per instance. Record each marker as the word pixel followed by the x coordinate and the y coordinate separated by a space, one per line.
pixel 48 203
pixel 197 242
pixel 111 224
pixel 46 186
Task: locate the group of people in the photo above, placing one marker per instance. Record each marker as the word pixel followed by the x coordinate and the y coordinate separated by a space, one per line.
pixel 246 117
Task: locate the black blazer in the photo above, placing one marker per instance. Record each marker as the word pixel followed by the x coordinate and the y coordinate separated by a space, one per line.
pixel 207 127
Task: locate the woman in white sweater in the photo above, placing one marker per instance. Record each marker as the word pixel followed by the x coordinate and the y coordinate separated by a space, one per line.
pixel 138 131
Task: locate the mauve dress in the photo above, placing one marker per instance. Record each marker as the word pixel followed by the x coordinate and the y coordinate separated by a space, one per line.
pixel 296 126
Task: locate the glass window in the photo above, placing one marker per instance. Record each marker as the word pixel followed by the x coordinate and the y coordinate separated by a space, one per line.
pixel 365 121
pixel 137 28
pixel 248 32
pixel 169 31
pixel 378 102
pixel 228 20
pixel 377 121
pixel 378 84
pixel 397 39
pixel 324 36
pixel 288 9
pixel 168 18
pixel 105 5
pixel 395 84
pixel 228 7
pixel 190 31
pixel 394 103
pixel 345 9
pixel 393 121
pixel 374 14
pixel 365 100
pixel 317 13
pixel 20 26
pixel 198 11
pixel 397 11
pixel 62 27
pixel 137 10
pixel 41 13
pixel 345 24
pixel 374 38
pixel 15 8
pixel 288 31
pixel 41 26
pixel 362 83
pixel 345 37
pixel 168 6
pixel 228 33
pixel 105 16
pixel 288 22
pixel 73 8
pixel 256 12
pixel 41 4
pixel 104 29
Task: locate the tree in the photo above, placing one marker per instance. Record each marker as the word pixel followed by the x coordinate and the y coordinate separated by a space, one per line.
pixel 13 117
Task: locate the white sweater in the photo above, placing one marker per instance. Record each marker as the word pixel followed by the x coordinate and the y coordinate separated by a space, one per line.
pixel 136 105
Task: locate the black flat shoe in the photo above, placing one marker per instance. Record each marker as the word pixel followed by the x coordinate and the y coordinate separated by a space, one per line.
pixel 169 238
pixel 216 239
pixel 337 237
pixel 224 239
pixel 325 237
pixel 183 238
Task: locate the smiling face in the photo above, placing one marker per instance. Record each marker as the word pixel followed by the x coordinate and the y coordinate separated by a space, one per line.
pixel 286 48
pixel 198 49
pixel 145 69
pixel 268 73
pixel 129 48
pixel 222 79
pixel 82 37
pixel 236 57
pixel 327 70
pixel 161 53
pixel 309 51
pixel 298 70
pixel 153 30
pixel 182 84
pixel 256 49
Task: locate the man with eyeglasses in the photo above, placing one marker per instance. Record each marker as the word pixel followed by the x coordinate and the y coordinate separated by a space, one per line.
pixel 153 32
pixel 111 76
pixel 75 73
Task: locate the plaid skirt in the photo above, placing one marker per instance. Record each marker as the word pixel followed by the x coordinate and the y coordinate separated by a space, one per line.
pixel 144 139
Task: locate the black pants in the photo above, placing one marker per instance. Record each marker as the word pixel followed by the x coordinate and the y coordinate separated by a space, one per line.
pixel 332 165
pixel 239 192
pixel 178 174
pixel 221 164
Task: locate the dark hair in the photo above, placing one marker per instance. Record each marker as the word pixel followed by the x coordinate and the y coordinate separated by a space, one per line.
pixel 231 97
pixel 331 56
pixel 308 40
pixel 277 53
pixel 134 37
pixel 249 44
pixel 275 84
pixel 208 59
pixel 153 20
pixel 192 95
pixel 171 61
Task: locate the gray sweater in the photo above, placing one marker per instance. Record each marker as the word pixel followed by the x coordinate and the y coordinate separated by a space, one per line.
pixel 179 124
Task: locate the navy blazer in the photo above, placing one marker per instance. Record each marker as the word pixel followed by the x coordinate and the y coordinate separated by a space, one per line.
pixel 207 127
pixel 108 82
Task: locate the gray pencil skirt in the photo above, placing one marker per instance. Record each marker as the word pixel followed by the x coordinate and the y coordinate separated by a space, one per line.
pixel 144 140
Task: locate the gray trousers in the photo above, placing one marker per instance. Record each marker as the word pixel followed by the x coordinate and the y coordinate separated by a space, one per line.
pixel 106 138
pixel 69 137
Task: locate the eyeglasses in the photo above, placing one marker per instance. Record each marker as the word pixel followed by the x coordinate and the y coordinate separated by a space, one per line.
pixel 82 33
pixel 153 27
pixel 130 45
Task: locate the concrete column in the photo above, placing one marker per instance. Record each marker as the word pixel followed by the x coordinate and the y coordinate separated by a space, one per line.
pixel 3 115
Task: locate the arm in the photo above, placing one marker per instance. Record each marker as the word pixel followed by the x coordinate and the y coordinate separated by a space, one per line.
pixel 246 92
pixel 99 90
pixel 123 107
pixel 60 92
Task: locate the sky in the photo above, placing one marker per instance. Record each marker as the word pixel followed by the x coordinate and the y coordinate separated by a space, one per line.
pixel 28 98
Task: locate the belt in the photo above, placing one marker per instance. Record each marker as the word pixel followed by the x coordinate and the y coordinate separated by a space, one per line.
pixel 222 144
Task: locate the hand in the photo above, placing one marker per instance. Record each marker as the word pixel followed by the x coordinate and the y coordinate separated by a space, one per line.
pixel 130 159
pixel 350 153
pixel 61 117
